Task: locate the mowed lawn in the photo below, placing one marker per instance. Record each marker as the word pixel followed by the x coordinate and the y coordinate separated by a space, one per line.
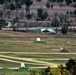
pixel 23 46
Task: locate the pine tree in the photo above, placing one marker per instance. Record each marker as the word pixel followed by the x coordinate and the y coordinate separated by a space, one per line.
pixel 68 2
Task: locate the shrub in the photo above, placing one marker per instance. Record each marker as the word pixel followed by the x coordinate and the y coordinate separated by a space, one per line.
pixel 48 5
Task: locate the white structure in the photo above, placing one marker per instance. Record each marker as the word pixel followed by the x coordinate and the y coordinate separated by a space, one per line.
pixel 38 39
pixel 9 24
pixel 22 65
pixel 49 30
pixel 43 30
pixel 68 41
pixel 61 49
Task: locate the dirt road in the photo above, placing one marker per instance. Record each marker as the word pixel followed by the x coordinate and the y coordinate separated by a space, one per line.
pixel 29 60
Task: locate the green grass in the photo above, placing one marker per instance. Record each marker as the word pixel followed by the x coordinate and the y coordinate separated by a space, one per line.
pixel 8 64
pixel 34 47
pixel 63 43
pixel 21 71
pixel 1 42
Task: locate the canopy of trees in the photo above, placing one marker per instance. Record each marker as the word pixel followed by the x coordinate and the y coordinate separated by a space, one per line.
pixel 2 23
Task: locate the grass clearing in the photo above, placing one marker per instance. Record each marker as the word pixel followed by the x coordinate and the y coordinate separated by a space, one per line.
pixel 24 45
pixel 15 46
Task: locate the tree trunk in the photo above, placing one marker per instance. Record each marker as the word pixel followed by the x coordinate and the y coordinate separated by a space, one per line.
pixel 56 24
pixel 16 12
pixel 27 10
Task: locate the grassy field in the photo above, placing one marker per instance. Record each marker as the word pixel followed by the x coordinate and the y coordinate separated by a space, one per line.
pixel 22 47
pixel 17 47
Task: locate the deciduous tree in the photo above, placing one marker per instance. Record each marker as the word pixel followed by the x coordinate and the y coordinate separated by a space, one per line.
pixel 71 66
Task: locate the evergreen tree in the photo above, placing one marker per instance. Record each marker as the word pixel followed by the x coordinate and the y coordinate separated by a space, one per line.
pixel 17 6
pixel 2 1
pixel 38 0
pixel 74 0
pixel 48 5
pixel 41 14
pixel 71 13
pixel 67 12
pixel 28 3
pixel 64 29
pixel 45 14
pixel 1 13
pixel 21 14
pixel 60 0
pixel 68 2
pixel 52 5
pixel 53 0
pixel 28 16
pixel 46 71
pixel 55 22
pixel 74 12
pixel 12 6
pixel 2 23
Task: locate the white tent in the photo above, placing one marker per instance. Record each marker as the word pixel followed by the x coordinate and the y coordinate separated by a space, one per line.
pixel 43 30
pixel 49 30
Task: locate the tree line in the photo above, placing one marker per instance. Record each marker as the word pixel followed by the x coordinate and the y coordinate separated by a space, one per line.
pixel 58 20
pixel 10 5
pixel 68 69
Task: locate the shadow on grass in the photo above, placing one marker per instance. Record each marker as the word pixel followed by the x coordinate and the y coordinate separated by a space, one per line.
pixel 64 51
pixel 1 42
pixel 40 42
